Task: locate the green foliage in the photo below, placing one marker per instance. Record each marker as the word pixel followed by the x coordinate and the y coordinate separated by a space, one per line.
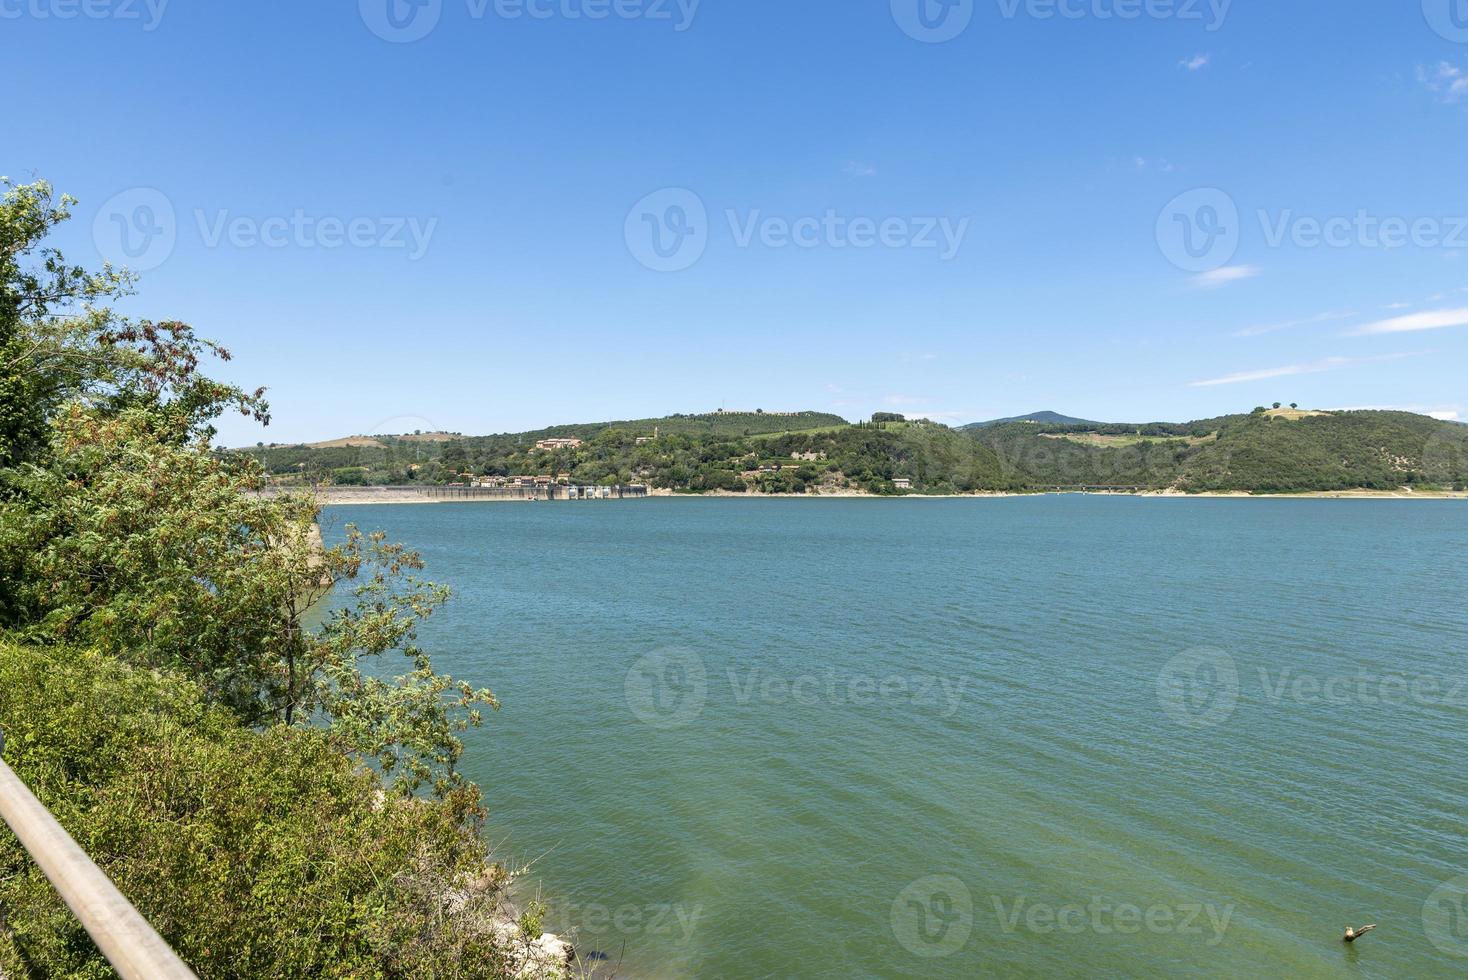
pixel 864 456
pixel 160 554
pixel 220 750
pixel 1255 453
pixel 254 853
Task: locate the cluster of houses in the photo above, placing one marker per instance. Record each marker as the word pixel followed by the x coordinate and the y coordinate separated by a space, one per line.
pixel 561 482
pixel 555 445
pixel 499 482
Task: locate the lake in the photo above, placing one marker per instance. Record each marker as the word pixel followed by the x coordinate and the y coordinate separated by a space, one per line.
pixel 1036 736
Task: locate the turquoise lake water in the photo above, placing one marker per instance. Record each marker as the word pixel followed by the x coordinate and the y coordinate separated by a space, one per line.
pixel 1042 736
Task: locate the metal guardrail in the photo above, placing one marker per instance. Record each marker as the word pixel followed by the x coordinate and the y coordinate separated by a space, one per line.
pixel 131 945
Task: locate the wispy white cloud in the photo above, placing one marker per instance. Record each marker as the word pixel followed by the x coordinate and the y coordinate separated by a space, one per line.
pixel 1446 80
pixel 1414 322
pixel 1226 275
pixel 1196 63
pixel 1262 329
pixel 1142 163
pixel 1290 370
pixel 855 168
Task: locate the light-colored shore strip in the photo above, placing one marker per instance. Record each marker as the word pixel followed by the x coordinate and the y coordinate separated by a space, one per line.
pixel 349 497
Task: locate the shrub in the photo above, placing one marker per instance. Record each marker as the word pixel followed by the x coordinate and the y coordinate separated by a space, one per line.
pixel 254 853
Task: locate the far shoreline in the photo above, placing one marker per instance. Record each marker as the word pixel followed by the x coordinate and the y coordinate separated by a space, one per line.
pixel 366 496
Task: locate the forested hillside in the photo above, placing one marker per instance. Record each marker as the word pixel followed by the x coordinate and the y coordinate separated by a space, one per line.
pixel 1267 451
pixel 1278 451
pixel 795 454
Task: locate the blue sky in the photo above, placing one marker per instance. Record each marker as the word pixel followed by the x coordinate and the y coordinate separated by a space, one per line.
pixel 546 211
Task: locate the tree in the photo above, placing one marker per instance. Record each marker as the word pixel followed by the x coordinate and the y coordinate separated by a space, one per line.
pixel 123 530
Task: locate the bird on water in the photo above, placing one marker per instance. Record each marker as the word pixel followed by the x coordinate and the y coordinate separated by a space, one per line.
pixel 1354 934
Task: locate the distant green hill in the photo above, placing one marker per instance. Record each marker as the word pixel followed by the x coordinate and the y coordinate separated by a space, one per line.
pixel 1263 452
pixel 1047 418
pixel 711 424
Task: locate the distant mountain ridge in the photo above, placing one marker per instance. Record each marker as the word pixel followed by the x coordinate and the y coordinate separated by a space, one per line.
pixel 1047 418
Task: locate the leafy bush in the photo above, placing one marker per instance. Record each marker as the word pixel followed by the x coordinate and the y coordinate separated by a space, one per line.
pixel 254 853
